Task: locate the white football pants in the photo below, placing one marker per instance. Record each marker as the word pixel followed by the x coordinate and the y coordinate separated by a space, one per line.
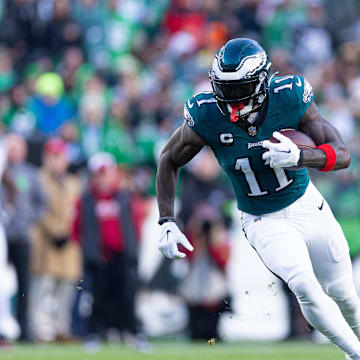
pixel 304 245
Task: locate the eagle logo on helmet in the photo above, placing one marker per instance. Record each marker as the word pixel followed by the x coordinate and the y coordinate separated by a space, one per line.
pixel 253 63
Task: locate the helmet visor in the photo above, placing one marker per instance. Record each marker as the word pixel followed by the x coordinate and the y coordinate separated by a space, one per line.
pixel 230 91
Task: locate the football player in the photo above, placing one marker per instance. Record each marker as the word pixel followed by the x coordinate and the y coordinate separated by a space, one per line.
pixel 284 217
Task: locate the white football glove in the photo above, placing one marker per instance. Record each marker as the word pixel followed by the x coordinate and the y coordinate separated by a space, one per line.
pixel 169 238
pixel 282 154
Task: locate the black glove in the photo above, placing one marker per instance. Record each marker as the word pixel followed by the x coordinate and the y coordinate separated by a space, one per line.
pixel 60 241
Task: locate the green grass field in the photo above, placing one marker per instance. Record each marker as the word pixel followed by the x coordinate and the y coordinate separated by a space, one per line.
pixel 180 351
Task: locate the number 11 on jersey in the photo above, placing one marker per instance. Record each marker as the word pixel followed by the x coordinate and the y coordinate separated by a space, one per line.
pixel 243 164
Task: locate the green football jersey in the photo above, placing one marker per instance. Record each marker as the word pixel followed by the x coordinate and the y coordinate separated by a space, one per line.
pixel 259 189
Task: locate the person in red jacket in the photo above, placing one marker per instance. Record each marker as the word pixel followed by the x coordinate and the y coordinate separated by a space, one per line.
pixel 105 225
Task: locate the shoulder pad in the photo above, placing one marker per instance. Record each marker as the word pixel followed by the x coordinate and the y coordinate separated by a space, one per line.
pixel 195 108
pixel 292 90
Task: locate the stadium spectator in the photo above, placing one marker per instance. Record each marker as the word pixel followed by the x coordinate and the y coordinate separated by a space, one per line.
pixel 55 262
pixel 92 111
pixel 61 31
pixel 203 212
pixel 105 227
pixel 26 211
pixel 49 105
pixel 204 288
pixel 16 117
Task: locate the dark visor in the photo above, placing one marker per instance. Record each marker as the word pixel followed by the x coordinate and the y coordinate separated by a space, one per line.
pixel 234 90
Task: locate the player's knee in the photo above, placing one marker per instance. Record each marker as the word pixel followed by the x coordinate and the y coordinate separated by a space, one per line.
pixel 305 287
pixel 344 293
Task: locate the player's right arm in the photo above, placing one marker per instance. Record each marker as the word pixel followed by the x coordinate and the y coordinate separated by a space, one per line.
pixel 322 132
pixel 183 145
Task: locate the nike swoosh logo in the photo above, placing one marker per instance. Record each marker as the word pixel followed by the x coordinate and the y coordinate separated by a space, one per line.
pixel 287 152
pixel 298 83
pixel 321 206
pixel 190 105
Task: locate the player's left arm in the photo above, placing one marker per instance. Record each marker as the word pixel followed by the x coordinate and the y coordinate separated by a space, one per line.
pixel 333 155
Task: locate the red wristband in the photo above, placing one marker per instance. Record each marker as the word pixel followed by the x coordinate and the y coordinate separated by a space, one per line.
pixel 330 157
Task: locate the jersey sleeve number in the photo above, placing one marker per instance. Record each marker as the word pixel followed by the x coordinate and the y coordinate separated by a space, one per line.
pixel 243 164
pixel 285 86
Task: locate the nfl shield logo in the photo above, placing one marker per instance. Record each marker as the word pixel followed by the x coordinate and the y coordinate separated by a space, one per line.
pixel 252 130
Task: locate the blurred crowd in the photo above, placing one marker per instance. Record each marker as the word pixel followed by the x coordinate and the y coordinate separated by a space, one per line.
pixel 90 91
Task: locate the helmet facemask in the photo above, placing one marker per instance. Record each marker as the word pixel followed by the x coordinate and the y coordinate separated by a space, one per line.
pixel 240 97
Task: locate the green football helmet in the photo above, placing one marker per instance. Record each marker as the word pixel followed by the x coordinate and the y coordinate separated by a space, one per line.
pixel 239 77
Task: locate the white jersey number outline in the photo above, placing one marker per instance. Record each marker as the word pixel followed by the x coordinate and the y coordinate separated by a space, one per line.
pixel 286 86
pixel 243 164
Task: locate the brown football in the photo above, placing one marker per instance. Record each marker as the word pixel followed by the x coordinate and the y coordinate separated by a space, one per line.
pixel 302 140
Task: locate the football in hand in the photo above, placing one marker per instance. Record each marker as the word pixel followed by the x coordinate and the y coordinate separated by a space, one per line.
pixel 302 140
